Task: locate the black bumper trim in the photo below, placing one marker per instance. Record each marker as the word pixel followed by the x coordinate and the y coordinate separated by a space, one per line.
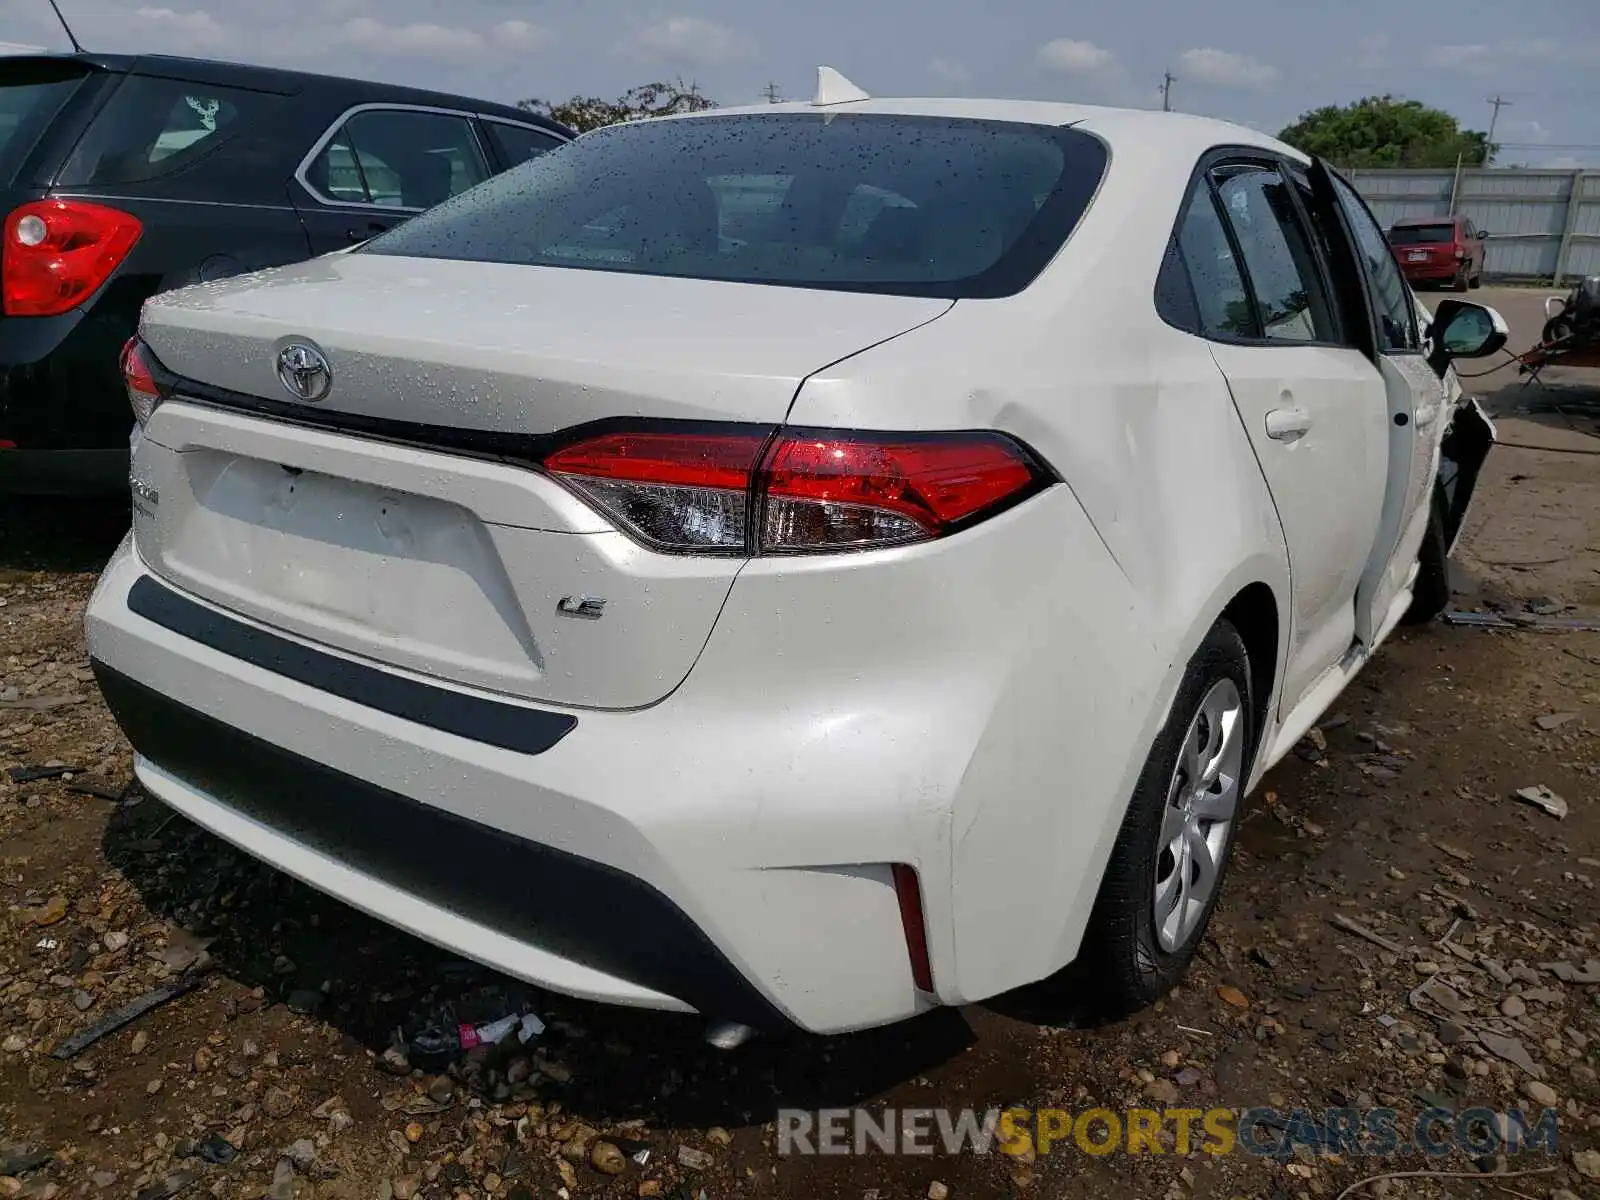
pixel 582 910
pixel 492 722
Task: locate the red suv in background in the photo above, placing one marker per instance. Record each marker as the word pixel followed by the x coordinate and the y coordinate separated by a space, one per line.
pixel 1439 250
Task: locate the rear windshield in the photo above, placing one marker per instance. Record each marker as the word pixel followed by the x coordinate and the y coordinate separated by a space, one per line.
pixel 152 127
pixel 1422 235
pixel 855 202
pixel 30 96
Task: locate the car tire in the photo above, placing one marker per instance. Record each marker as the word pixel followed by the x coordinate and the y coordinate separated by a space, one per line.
pixel 1139 942
pixel 1430 594
pixel 1476 281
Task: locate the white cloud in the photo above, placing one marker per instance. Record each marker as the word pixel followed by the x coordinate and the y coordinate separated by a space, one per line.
pixel 420 39
pixel 688 40
pixel 1075 57
pixel 950 72
pixel 1525 132
pixel 520 35
pixel 1457 57
pixel 194 30
pixel 1223 68
pixel 19 48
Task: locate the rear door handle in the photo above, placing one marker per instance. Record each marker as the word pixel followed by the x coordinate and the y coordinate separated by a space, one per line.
pixel 1288 424
pixel 373 230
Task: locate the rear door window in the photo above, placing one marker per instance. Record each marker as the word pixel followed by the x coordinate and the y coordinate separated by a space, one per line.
pixel 1290 293
pixel 31 94
pixel 1423 235
pixel 151 127
pixel 397 158
pixel 516 144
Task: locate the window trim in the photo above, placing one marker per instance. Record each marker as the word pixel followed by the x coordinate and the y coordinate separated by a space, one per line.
pixel 321 144
pixel 1369 288
pixel 486 119
pixel 1200 177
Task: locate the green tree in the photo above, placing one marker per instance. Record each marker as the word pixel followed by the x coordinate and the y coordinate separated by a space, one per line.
pixel 584 113
pixel 1382 131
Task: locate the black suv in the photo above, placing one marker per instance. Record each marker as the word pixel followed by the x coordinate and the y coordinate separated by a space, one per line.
pixel 127 176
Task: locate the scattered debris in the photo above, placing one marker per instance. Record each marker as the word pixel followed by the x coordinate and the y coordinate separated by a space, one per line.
pixel 1233 996
pixel 35 774
pixel 19 1160
pixel 1350 925
pixel 607 1159
pixel 1542 797
pixel 1587 1163
pixel 1478 1175
pixel 134 1009
pixel 527 1025
pixel 1541 624
pixel 1551 721
pixel 695 1160
pixel 40 703
pixel 168 1187
pixel 1510 1049
pixel 1567 973
pixel 214 1148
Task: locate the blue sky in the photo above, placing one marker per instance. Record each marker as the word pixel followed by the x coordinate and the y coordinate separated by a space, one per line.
pixel 1258 61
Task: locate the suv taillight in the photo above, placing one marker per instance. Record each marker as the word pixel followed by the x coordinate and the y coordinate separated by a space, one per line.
pixel 753 489
pixel 58 252
pixel 143 394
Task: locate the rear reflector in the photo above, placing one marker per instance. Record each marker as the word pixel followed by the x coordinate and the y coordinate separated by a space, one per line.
pixel 56 253
pixel 909 890
pixel 753 489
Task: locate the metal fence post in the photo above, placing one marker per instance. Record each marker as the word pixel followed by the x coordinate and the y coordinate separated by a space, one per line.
pixel 1574 203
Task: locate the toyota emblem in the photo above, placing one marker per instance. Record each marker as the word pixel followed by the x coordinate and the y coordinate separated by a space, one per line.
pixel 304 373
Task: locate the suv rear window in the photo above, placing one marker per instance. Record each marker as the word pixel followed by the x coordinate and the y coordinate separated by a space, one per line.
pixel 1422 235
pixel 926 206
pixel 31 93
pixel 152 127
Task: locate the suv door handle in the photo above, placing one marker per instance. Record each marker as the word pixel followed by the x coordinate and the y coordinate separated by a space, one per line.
pixel 373 230
pixel 1288 424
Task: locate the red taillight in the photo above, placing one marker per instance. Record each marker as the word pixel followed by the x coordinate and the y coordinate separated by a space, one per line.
pixel 908 888
pixel 143 395
pixel 805 491
pixel 57 252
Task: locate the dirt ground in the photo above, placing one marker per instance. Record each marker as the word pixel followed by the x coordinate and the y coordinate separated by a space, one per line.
pixel 268 1077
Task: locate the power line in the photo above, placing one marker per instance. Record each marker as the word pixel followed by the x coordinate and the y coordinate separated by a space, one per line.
pixel 1167 80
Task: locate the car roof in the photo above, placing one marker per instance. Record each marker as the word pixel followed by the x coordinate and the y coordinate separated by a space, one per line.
pixel 1178 133
pixel 272 79
pixel 1401 222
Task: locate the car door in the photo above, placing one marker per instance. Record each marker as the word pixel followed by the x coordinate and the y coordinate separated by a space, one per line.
pixel 379 165
pixel 1311 403
pixel 1416 400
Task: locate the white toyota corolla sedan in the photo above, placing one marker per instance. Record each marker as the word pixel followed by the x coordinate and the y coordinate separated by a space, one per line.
pixel 801 565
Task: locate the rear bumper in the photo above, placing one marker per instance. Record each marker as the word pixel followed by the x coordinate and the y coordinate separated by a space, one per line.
pixel 849 713
pixel 1431 272
pixel 615 864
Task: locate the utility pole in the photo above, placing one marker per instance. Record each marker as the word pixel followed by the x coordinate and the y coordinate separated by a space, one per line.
pixel 773 95
pixel 1167 81
pixel 1488 142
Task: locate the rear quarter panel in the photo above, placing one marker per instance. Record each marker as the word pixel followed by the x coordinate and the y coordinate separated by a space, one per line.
pixel 1138 420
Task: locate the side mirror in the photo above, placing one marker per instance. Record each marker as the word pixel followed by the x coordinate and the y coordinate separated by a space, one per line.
pixel 1462 329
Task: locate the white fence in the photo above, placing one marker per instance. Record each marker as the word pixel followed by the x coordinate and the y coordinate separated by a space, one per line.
pixel 1542 224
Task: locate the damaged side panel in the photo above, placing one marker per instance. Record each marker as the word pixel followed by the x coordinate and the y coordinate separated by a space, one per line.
pixel 1461 458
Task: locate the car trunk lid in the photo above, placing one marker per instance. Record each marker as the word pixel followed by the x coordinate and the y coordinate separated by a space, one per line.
pixel 464 567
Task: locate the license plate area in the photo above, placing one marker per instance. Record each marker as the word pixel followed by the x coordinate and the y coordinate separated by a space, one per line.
pixel 409 579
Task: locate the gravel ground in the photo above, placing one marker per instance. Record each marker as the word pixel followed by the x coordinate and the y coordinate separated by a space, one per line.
pixel 275 1074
